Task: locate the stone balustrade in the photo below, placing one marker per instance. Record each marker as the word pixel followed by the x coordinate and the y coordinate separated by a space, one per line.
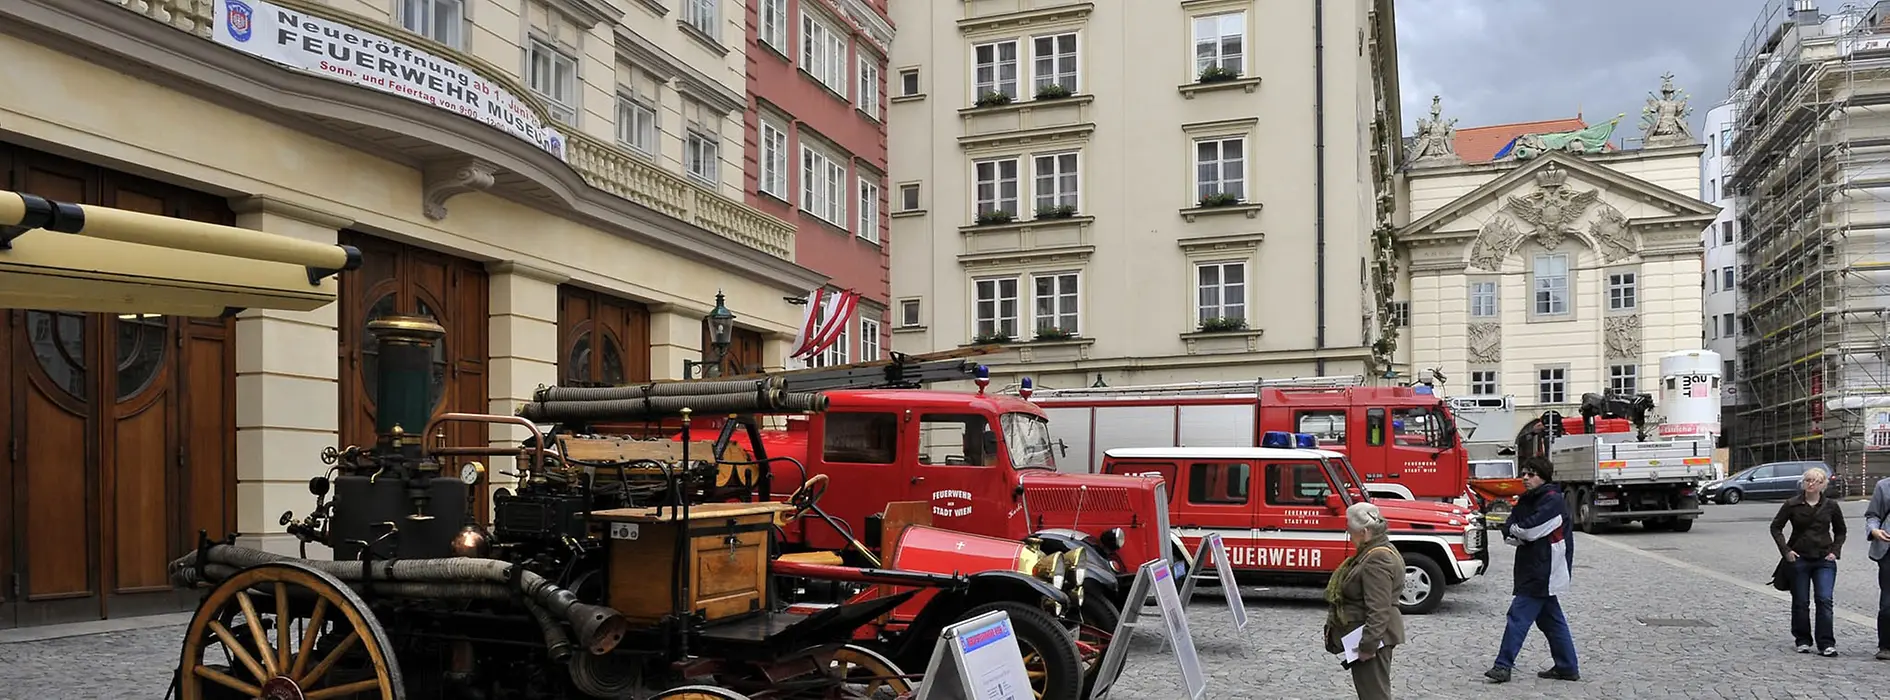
pixel 603 165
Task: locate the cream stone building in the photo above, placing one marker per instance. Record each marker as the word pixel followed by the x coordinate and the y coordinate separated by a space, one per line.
pixel 1143 192
pixel 1552 275
pixel 556 181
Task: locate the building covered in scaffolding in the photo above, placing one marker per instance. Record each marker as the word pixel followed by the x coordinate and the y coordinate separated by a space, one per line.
pixel 1809 161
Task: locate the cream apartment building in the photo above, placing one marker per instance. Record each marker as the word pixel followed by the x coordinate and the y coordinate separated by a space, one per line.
pixel 557 182
pixel 1554 276
pixel 1141 192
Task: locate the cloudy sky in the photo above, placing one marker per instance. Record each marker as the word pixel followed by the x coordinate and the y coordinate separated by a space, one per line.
pixel 1499 61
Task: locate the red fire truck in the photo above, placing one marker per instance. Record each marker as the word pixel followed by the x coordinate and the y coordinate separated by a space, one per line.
pixel 1401 438
pixel 1293 532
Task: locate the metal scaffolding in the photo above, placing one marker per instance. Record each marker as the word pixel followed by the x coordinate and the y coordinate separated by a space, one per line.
pixel 1809 166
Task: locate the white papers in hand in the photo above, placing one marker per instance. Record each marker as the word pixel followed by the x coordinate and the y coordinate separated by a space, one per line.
pixel 1351 640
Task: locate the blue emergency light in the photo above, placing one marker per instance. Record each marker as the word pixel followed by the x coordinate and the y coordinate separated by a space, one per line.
pixel 1422 389
pixel 983 378
pixel 1026 390
pixel 1306 441
pixel 1277 439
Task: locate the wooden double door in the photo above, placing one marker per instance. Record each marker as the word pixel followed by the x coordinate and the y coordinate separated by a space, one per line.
pixel 117 432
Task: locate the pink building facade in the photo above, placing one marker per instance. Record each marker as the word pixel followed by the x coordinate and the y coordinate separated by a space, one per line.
pixel 816 148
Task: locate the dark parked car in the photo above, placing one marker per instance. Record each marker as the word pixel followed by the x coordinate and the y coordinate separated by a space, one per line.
pixel 1775 481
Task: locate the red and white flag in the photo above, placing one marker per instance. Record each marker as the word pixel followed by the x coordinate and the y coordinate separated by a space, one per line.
pixel 828 314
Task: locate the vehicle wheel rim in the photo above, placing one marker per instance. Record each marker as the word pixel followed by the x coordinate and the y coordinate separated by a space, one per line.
pixel 699 692
pixel 326 623
pixel 868 675
pixel 1417 586
pixel 1732 496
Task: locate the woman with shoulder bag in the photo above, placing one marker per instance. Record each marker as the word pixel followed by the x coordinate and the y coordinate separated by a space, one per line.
pixel 1812 553
pixel 1364 593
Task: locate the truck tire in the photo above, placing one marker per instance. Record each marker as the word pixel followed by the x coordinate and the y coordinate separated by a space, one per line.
pixel 1044 638
pixel 1100 612
pixel 1681 524
pixel 1423 584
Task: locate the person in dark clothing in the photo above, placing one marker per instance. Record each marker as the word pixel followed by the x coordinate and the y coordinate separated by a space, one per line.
pixel 1817 538
pixel 1540 530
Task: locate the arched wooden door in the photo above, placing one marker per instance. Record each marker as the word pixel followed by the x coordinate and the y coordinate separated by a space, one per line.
pixel 118 430
pixel 404 279
pixel 744 351
pixel 602 340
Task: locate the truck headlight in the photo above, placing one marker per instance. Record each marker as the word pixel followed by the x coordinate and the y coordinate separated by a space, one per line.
pixel 1112 539
pixel 1471 541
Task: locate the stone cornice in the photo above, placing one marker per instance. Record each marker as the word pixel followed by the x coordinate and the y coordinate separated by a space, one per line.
pixel 1610 180
pixel 526 270
pixel 265 204
pixel 985 24
pixel 588 13
pixel 877 28
pixel 647 55
pixel 123 40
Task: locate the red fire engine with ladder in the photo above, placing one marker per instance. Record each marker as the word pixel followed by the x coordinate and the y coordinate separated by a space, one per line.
pixel 1402 439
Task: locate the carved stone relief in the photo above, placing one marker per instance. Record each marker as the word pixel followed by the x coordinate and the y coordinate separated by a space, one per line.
pixel 1610 232
pixel 1551 209
pixel 1498 237
pixel 1622 337
pixel 445 180
pixel 1486 343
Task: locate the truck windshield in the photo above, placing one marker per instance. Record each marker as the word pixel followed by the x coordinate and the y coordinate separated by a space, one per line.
pixel 1341 472
pixel 1027 438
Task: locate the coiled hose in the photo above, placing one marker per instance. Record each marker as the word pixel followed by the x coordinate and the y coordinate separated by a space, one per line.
pixel 563 411
pixel 642 391
pixel 598 627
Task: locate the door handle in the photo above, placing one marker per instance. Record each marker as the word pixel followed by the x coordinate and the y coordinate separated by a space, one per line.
pixel 918 479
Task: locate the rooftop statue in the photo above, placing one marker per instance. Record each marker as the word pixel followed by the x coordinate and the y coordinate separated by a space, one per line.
pixel 1436 138
pixel 1664 119
pixel 1584 141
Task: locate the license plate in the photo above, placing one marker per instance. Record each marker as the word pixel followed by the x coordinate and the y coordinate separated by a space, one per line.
pixel 1607 501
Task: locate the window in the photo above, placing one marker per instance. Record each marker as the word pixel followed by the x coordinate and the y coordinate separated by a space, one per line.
pixel 869 210
pixel 1727 276
pixel 1483 299
pixel 867 96
pixel 1713 326
pixel 909 82
pixel 909 197
pixel 440 20
pixel 1056 300
pixel 1624 380
pixel 1417 427
pixel 1221 290
pixel 1726 231
pixel 1726 371
pixel 1551 384
pixel 1708 190
pixel 774 24
pixel 1328 426
pixel 1219 483
pixel 1483 382
pixel 1621 291
pixel 1400 312
pixel 1726 322
pixel 997 186
pixel 1219 42
pixel 869 340
pixel 1053 61
pixel 774 160
pixel 909 313
pixel 553 76
pixel 700 157
pixel 996 307
pixel 704 15
pixel 861 438
pixel 823 186
pixel 965 439
pixel 1374 426
pixel 1220 167
pixel 994 69
pixel 1056 181
pixel 1296 484
pixel 1551 272
pixel 838 352
pixel 824 53
pixel 636 124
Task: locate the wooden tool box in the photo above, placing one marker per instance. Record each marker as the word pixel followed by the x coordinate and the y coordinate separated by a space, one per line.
pixel 726 559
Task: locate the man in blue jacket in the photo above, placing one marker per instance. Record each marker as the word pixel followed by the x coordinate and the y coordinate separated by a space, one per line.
pixel 1540 530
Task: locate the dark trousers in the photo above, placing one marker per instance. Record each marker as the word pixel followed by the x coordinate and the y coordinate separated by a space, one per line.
pixel 1372 679
pixel 1809 576
pixel 1545 613
pixel 1883 604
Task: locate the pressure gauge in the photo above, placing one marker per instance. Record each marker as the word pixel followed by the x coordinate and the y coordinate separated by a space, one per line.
pixel 470 473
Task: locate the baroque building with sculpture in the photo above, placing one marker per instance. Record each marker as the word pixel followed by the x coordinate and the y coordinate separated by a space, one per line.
pixel 1562 265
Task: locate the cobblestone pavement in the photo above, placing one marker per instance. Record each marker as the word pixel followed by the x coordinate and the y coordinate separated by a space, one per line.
pixel 1716 575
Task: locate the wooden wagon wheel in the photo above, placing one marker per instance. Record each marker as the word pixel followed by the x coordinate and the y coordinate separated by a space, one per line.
pixel 867 674
pixel 318 622
pixel 699 692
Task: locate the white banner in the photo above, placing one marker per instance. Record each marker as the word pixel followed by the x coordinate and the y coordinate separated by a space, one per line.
pixel 340 52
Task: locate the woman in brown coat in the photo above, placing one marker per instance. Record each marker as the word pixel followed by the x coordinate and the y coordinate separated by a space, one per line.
pixel 1364 592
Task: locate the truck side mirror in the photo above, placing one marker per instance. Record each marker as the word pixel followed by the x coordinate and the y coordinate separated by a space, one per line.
pixel 1334 503
pixel 1064 446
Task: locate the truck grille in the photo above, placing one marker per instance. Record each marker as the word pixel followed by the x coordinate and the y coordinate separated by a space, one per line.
pixel 1071 500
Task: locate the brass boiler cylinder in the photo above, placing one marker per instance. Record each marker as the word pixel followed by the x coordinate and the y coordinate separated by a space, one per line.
pixel 405 374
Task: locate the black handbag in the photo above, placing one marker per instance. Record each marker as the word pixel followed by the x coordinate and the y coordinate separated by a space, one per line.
pixel 1782 574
